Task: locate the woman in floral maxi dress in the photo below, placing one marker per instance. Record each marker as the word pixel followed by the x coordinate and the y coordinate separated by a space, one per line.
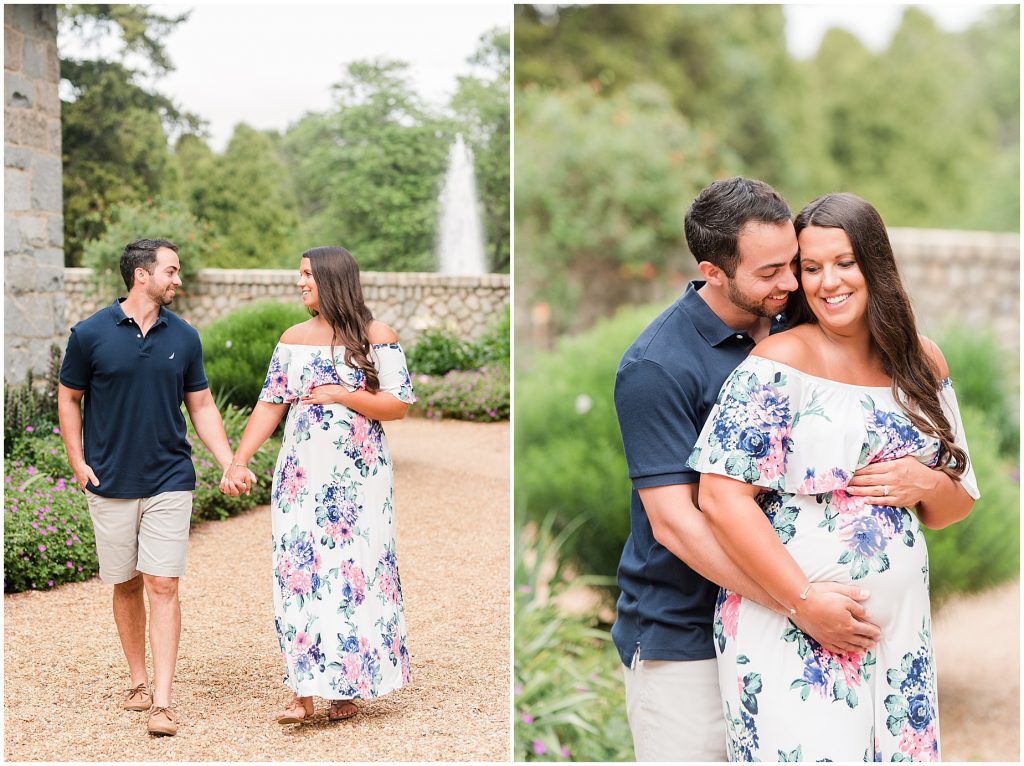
pixel 337 594
pixel 851 385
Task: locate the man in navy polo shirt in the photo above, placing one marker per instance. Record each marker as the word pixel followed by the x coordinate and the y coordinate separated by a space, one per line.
pixel 134 363
pixel 740 232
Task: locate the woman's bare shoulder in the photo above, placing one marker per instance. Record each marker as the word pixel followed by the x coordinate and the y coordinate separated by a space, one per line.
pixel 378 332
pixel 790 347
pixel 934 354
pixel 297 333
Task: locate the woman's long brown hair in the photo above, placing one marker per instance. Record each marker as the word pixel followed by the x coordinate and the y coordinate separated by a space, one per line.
pixel 915 378
pixel 341 303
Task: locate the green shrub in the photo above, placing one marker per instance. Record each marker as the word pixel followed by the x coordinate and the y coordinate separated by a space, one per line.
pixel 43 449
pixel 153 219
pixel 569 458
pixel 984 379
pixel 48 537
pixel 238 346
pixel 31 407
pixel 438 351
pixel 481 395
pixel 495 347
pixel 568 684
pixel 983 549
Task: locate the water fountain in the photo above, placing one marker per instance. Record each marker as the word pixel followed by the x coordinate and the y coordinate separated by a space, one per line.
pixel 460 241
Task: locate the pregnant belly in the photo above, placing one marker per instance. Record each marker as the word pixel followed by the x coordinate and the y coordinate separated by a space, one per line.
pixel 879 549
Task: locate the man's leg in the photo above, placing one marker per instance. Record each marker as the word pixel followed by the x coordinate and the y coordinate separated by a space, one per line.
pixel 130 618
pixel 164 633
pixel 163 542
pixel 675 710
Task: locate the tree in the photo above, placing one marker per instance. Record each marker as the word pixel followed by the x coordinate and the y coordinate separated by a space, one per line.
pixel 368 173
pixel 114 130
pixel 481 106
pixel 601 188
pixel 246 195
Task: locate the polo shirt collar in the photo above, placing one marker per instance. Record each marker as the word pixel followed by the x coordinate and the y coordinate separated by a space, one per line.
pixel 707 322
pixel 120 317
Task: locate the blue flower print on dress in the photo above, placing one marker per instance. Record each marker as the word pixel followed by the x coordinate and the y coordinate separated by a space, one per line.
pixel 357 672
pixel 290 487
pixel 297 566
pixel 889 434
pixel 337 509
pixel 361 440
pixel 831 676
pixel 912 713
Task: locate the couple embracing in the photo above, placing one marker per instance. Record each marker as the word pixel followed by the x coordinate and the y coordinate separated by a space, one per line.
pixel 781 421
pixel 337 595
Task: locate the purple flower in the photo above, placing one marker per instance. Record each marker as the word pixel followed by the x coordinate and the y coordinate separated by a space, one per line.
pixel 30 429
pixel 538 747
pixel 42 548
pixel 527 718
pixel 565 751
pixel 864 536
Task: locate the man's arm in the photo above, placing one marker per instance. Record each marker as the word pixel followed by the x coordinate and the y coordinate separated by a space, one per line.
pixel 680 527
pixel 205 416
pixel 69 413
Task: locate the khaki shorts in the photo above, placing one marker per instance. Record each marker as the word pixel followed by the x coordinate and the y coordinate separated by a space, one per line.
pixel 148 534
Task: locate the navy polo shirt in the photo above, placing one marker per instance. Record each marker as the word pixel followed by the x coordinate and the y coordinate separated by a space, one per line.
pixel 134 430
pixel 665 387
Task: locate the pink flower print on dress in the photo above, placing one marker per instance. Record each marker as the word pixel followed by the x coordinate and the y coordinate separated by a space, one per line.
pixel 730 614
pixel 849 664
pixel 302 642
pixel 368 452
pixel 285 567
pixel 830 481
pixel 351 666
pixel 299 582
pixel 845 503
pixel 360 430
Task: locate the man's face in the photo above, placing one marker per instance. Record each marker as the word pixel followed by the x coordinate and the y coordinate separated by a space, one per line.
pixel 165 279
pixel 766 272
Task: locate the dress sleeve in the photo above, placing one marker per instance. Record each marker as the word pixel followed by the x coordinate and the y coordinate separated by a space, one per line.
pixel 947 398
pixel 747 436
pixel 277 388
pixel 393 373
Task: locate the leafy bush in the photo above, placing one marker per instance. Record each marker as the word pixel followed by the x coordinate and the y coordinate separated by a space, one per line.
pixel 569 458
pixel 984 379
pixel 568 682
pixel 495 347
pixel 153 219
pixel 438 351
pixel 983 549
pixel 48 537
pixel 481 395
pixel 238 346
pixel 32 406
pixel 43 449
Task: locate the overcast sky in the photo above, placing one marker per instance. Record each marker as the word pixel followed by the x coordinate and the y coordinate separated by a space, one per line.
pixel 267 65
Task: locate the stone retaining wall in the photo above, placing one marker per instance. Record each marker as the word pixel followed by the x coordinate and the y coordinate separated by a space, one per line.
pixel 408 301
pixel 33 205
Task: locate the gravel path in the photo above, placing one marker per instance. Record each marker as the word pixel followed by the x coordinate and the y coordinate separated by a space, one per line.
pixel 977 653
pixel 64 671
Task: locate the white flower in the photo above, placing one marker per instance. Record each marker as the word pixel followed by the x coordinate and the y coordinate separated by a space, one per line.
pixel 227 344
pixel 583 404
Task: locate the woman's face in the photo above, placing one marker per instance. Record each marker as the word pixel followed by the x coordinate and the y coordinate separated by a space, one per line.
pixel 307 285
pixel 833 283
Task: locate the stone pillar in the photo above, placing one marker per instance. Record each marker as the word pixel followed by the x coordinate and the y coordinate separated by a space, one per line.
pixel 33 204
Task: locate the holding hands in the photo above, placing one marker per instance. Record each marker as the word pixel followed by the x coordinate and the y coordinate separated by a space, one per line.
pixel 237 480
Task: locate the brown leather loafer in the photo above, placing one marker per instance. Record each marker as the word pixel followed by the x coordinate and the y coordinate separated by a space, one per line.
pixel 138 699
pixel 161 721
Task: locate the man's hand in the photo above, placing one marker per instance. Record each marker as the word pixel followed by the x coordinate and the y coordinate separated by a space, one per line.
pixel 833 616
pixel 901 483
pixel 84 474
pixel 237 480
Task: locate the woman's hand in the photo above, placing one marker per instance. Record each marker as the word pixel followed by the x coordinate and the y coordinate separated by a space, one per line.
pixel 331 393
pixel 237 480
pixel 901 483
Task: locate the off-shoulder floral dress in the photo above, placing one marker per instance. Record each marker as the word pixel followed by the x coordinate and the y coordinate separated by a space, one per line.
pixel 785 698
pixel 337 596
